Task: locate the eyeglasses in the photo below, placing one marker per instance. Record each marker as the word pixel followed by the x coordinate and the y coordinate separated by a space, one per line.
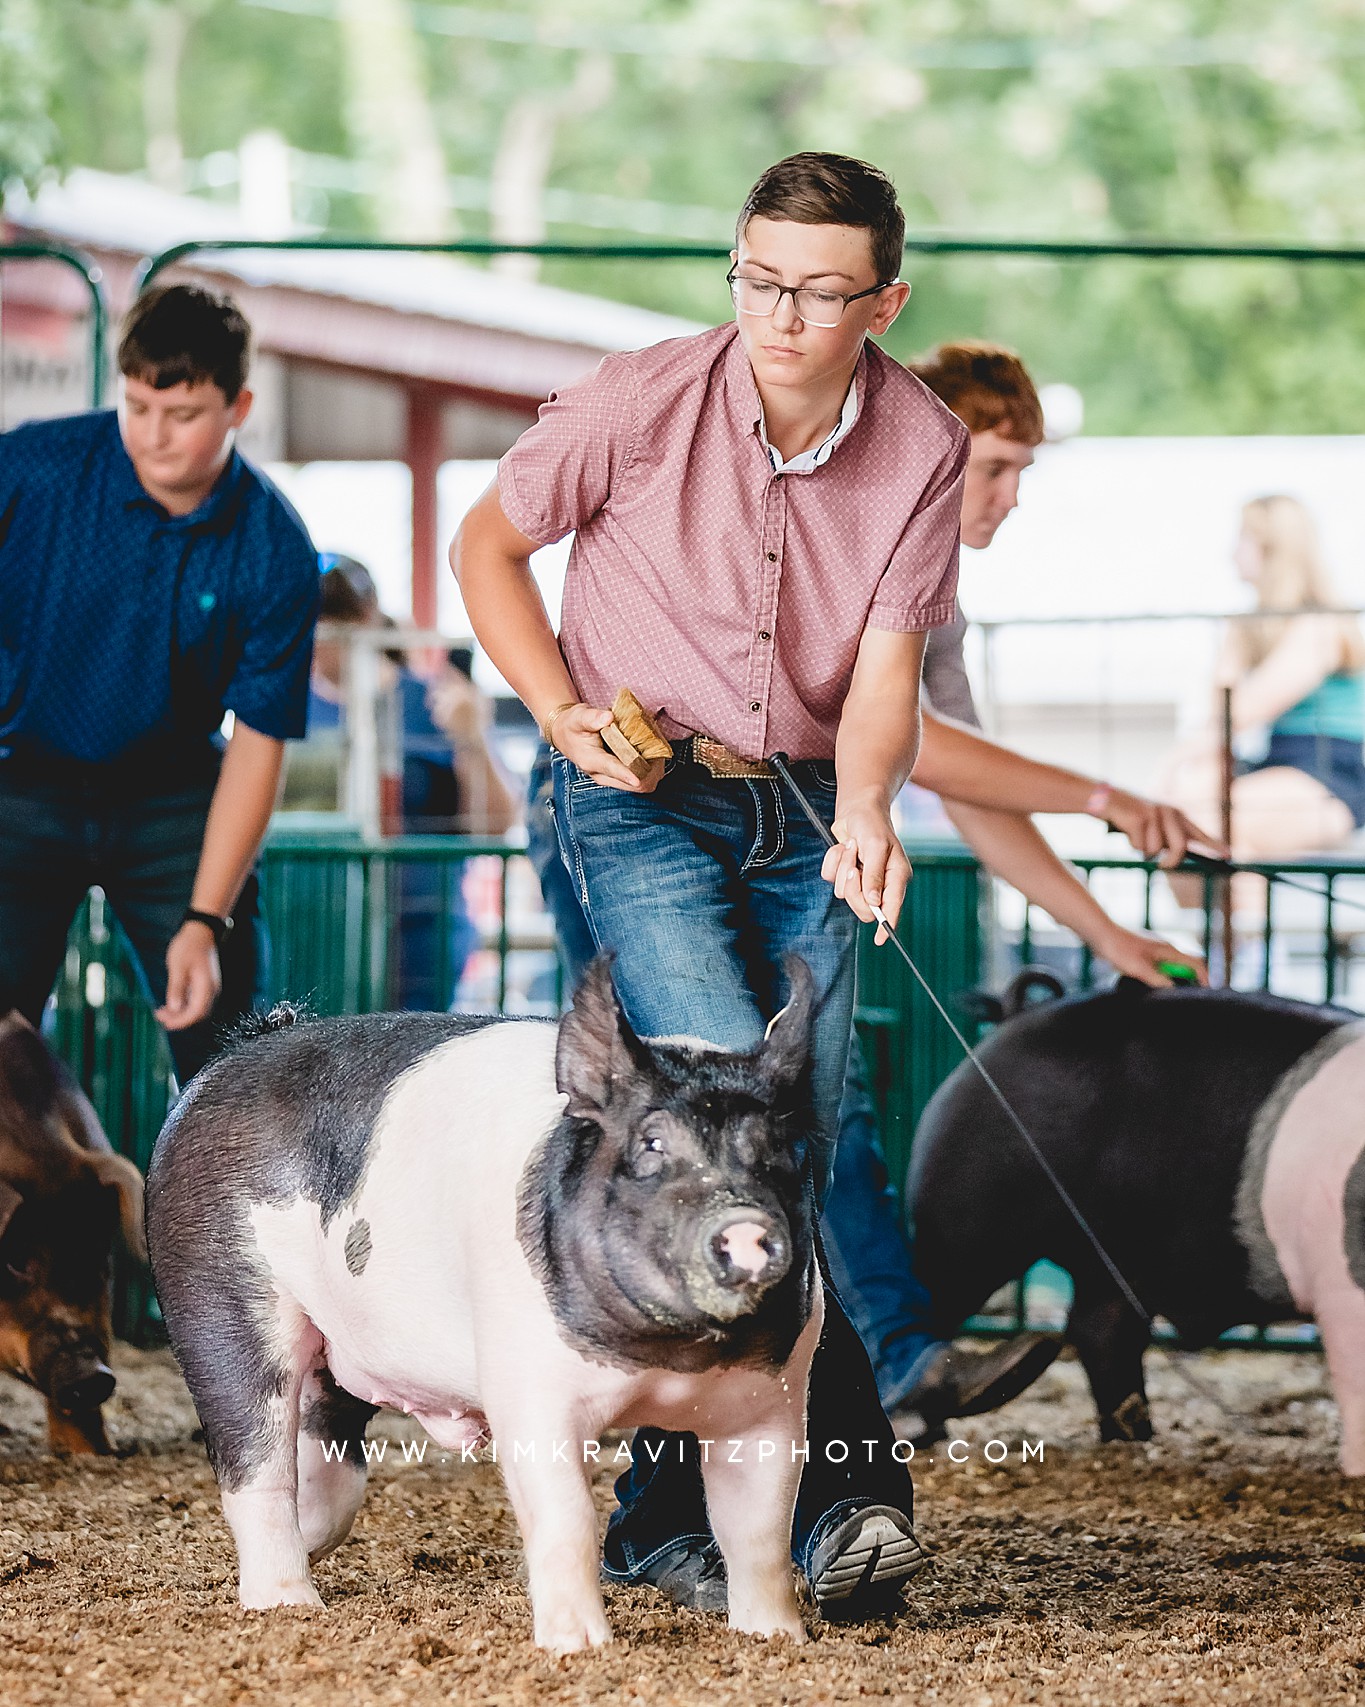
pixel 815 307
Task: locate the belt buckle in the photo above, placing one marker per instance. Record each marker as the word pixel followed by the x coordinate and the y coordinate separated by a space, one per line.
pixel 719 760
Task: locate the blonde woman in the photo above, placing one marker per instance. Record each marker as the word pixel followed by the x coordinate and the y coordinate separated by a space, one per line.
pixel 1297 671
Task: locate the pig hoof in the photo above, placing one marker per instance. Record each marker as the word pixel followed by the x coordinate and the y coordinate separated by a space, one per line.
pixel 789 1627
pixel 1129 1421
pixel 570 1634
pixel 285 1594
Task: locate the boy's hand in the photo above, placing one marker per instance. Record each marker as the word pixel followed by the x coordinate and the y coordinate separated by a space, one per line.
pixel 576 733
pixel 869 867
pixel 193 977
pixel 1159 831
pixel 1139 954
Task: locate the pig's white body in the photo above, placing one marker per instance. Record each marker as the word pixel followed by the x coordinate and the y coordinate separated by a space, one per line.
pixel 446 1320
pixel 1317 1140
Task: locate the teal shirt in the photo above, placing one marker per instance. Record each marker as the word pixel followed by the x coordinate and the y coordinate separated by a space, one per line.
pixel 1336 707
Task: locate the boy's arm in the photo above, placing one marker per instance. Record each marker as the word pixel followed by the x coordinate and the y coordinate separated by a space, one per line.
pixel 239 815
pixel 1012 846
pixel 961 765
pixel 879 733
pixel 492 562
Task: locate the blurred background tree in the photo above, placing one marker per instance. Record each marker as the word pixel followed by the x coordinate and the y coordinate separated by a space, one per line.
pixel 594 119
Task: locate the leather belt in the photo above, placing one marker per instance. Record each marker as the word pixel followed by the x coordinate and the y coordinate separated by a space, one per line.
pixel 721 760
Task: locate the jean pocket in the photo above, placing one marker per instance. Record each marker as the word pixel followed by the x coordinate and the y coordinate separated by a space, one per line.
pixel 822 775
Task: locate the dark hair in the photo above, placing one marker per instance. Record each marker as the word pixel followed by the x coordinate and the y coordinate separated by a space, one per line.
pixel 832 189
pixel 348 590
pixel 185 334
pixel 986 386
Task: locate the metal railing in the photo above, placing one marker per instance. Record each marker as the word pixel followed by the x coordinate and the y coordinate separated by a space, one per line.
pixel 93 279
pixel 916 243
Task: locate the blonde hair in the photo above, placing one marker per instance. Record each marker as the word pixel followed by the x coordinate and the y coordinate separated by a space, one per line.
pixel 1292 577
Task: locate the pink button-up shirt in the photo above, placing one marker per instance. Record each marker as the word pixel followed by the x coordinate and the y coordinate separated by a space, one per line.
pixel 730 598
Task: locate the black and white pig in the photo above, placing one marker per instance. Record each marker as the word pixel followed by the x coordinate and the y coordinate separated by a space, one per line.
pixel 1214 1139
pixel 505 1229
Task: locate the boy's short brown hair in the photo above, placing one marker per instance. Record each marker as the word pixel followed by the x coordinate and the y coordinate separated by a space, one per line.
pixel 183 334
pixel 986 386
pixel 832 189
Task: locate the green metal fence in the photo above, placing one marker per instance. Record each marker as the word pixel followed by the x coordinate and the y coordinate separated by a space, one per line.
pixel 93 280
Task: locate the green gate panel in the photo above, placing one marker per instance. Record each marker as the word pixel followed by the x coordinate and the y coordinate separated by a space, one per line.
pixel 909 1048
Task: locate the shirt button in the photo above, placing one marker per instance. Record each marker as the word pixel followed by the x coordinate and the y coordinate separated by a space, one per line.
pixel 763 634
pixel 755 705
pixel 772 557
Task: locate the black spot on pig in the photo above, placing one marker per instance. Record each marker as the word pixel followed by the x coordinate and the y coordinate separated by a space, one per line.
pixel 289 1113
pixel 335 1416
pixel 665 1149
pixel 357 1247
pixel 1353 1211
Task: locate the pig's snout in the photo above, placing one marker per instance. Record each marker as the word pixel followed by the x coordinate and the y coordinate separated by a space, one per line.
pixel 746 1249
pixel 80 1384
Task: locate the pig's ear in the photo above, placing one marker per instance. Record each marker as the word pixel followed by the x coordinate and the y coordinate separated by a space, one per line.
pixel 596 1045
pixel 27 1067
pixel 786 1051
pixel 112 1169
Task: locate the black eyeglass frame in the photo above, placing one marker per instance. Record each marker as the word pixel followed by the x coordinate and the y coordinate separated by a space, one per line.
pixel 793 290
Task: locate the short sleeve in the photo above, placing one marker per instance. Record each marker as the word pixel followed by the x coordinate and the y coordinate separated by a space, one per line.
pixel 269 687
pixel 560 472
pixel 919 586
pixel 947 689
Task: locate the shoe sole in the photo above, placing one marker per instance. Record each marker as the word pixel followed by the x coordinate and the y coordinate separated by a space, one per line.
pixel 1011 1382
pixel 871 1547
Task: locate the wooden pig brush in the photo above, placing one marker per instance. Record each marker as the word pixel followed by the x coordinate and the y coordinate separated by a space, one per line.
pixel 635 739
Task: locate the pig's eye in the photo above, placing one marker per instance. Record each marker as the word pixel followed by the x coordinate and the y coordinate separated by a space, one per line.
pixel 648 1153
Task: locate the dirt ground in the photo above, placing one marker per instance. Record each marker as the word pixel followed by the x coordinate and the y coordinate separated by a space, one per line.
pixel 1221 1564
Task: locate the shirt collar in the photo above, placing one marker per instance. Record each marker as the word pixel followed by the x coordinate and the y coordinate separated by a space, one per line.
pixel 747 409
pixel 807 461
pixel 209 514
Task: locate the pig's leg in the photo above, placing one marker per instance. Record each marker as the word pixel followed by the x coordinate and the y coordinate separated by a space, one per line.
pixel 750 1504
pixel 1341 1321
pixel 332 1467
pixel 547 1482
pixel 1110 1338
pixel 245 1378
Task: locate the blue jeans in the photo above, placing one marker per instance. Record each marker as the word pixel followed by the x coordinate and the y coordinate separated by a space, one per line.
pixel 870 1254
pixel 66 827
pixel 700 888
pixel 557 889
pixel 435 935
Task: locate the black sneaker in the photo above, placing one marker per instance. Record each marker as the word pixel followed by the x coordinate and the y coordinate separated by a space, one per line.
pixel 858 1568
pixel 691 1573
pixel 964 1382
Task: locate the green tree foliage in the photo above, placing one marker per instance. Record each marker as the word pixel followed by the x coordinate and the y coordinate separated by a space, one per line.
pixel 1051 117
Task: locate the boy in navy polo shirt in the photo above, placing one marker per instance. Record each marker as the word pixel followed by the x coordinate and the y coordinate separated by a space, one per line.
pixel 150 582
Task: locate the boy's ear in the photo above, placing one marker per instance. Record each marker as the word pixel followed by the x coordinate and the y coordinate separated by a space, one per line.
pixel 241 406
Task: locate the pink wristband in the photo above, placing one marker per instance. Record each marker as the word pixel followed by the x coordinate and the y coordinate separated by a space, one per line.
pixel 1099 800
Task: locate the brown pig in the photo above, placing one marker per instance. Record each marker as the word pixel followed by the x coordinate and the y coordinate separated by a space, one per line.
pixel 63 1194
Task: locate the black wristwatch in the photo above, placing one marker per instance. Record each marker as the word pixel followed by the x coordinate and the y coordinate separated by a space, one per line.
pixel 218 925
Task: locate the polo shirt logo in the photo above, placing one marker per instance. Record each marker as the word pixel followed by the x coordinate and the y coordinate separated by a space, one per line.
pixel 207 601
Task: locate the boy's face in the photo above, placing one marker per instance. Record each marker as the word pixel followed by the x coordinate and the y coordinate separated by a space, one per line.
pixel 785 351
pixel 178 439
pixel 991 489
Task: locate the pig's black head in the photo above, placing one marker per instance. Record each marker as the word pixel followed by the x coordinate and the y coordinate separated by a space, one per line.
pixel 666 1213
pixel 63 1194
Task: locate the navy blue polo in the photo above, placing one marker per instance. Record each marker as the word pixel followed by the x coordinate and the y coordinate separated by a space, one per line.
pixel 125 630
